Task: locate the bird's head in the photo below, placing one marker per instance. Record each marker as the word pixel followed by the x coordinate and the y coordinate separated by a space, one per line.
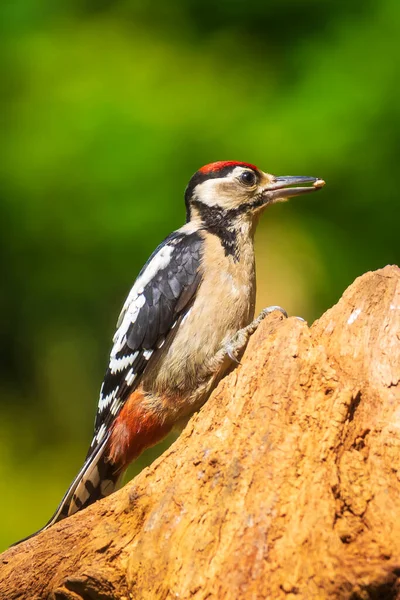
pixel 227 190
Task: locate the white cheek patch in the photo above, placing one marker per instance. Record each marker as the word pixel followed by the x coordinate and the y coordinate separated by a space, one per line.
pixel 207 192
pixel 214 192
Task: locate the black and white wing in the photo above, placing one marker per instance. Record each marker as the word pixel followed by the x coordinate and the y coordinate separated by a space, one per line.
pixel 161 294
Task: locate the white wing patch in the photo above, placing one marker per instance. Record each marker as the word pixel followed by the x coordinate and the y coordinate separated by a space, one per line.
pixel 147 354
pixel 130 377
pixel 119 364
pixel 130 314
pixel 115 406
pixel 106 400
pixel 128 361
pixel 101 433
pixel 158 262
pixel 136 299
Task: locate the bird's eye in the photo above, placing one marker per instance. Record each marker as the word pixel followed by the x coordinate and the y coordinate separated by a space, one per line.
pixel 248 178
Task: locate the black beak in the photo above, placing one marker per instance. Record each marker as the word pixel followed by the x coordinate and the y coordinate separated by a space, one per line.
pixel 281 187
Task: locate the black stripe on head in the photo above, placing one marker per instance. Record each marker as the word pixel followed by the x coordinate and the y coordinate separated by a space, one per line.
pixel 219 222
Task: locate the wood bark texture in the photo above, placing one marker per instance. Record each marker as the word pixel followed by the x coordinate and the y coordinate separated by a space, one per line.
pixel 286 485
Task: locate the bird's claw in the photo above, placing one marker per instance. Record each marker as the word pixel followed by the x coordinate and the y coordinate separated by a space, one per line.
pixel 232 356
pixel 269 309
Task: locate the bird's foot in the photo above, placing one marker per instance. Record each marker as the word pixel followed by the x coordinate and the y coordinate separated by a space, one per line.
pixel 236 345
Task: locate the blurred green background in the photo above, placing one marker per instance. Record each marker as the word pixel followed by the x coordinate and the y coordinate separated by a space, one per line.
pixel 106 110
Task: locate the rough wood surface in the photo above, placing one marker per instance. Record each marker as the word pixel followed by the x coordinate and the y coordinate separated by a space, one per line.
pixel 286 485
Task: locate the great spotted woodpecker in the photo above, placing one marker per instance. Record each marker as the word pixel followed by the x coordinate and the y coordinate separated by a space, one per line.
pixel 187 317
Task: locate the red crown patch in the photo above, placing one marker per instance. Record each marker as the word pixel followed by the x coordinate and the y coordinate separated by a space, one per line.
pixel 222 164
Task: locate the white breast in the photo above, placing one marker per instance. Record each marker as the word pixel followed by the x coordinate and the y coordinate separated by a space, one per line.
pixel 224 304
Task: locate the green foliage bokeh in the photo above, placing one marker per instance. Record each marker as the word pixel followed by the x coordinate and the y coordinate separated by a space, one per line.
pixel 106 110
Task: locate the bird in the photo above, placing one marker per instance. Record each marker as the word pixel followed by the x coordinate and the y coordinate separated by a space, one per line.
pixel 185 322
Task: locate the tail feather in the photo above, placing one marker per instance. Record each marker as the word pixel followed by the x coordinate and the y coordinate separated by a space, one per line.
pixel 96 479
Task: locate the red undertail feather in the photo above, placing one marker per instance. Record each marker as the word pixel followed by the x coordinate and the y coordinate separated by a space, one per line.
pixel 136 428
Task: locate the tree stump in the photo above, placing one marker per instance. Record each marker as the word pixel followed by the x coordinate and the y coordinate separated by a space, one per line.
pixel 286 484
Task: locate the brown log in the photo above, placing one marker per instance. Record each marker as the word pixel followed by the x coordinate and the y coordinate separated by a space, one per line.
pixel 285 485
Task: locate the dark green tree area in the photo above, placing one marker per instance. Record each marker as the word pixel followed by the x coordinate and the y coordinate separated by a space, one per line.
pixel 106 110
